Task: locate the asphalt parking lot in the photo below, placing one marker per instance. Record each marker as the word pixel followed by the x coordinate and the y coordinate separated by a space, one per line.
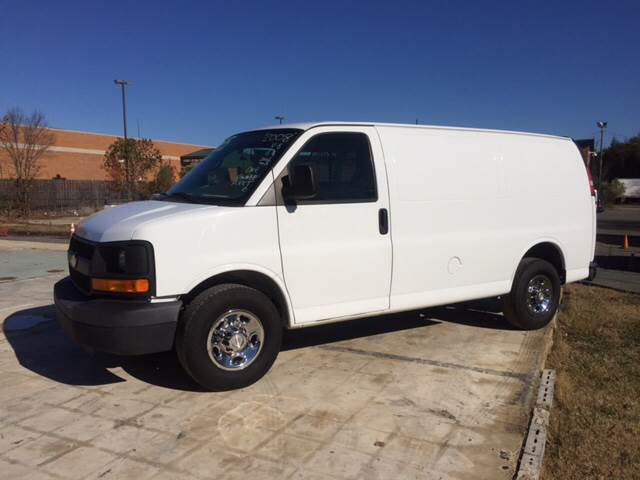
pixel 442 393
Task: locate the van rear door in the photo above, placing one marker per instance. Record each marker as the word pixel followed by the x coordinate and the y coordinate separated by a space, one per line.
pixel 336 246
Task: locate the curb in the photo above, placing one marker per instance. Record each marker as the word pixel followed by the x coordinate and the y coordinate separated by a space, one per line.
pixel 530 462
pixel 21 245
pixel 533 452
pixel 599 285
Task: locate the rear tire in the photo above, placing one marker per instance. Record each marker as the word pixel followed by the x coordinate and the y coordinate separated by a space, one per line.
pixel 535 295
pixel 229 336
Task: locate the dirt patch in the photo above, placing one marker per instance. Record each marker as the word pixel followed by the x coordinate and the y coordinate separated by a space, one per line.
pixel 35 230
pixel 595 421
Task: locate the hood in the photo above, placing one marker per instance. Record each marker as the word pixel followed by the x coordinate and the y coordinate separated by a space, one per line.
pixel 120 223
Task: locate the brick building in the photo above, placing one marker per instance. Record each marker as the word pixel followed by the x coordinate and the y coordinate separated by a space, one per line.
pixel 79 155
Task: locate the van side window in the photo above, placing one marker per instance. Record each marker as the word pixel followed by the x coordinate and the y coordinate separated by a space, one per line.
pixel 342 166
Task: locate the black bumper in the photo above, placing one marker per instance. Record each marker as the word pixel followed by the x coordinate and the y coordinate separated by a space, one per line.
pixel 123 327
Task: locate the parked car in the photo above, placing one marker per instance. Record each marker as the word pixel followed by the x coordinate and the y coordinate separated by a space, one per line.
pixel 300 225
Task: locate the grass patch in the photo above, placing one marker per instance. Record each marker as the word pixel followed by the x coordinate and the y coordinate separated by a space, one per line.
pixel 595 420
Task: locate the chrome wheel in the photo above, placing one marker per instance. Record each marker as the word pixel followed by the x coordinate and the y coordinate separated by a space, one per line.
pixel 539 294
pixel 235 340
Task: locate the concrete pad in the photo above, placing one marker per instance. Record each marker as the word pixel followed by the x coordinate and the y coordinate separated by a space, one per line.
pixel 15 471
pixel 39 450
pixel 80 463
pixel 18 244
pixel 617 279
pixel 12 437
pixel 124 469
pixel 442 393
pixel 23 263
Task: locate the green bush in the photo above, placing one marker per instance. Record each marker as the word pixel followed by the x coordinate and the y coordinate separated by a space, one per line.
pixel 611 191
pixel 163 180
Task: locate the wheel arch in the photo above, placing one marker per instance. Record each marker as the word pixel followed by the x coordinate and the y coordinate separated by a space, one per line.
pixel 249 277
pixel 548 250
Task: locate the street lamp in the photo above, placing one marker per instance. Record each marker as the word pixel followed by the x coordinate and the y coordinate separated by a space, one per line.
pixel 601 126
pixel 280 118
pixel 123 84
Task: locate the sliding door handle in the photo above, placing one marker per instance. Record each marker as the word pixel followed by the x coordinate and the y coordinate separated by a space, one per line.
pixel 383 221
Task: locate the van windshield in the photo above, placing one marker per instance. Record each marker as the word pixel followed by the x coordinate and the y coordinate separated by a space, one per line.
pixel 231 173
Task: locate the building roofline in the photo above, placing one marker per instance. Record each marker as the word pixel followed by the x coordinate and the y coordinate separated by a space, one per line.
pixel 120 136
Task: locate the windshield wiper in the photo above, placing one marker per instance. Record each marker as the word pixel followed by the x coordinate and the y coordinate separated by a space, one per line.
pixel 183 195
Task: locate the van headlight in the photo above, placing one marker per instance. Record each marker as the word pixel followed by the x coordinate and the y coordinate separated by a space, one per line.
pixel 124 259
pixel 122 267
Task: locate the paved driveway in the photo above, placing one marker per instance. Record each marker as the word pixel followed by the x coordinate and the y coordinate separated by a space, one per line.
pixel 20 259
pixel 437 394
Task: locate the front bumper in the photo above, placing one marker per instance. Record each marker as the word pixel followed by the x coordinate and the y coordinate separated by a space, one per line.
pixel 123 327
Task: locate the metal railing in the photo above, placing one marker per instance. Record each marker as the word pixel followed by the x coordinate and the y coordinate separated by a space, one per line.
pixel 63 195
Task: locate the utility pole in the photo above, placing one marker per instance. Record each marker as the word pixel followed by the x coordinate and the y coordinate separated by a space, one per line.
pixel 280 118
pixel 601 126
pixel 123 84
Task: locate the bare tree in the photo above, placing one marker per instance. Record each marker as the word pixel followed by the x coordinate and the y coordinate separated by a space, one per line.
pixel 3 124
pixel 25 138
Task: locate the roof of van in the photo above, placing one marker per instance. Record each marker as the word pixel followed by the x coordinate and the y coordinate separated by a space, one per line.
pixel 308 125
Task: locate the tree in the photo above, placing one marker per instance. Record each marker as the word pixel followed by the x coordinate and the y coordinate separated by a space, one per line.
pixel 3 125
pixel 25 138
pixel 622 159
pixel 131 177
pixel 184 169
pixel 164 179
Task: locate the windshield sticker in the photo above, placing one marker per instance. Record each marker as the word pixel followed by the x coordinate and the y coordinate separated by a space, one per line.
pixel 245 181
pixel 276 140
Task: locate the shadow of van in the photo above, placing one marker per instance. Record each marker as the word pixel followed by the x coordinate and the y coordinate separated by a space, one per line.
pixel 42 346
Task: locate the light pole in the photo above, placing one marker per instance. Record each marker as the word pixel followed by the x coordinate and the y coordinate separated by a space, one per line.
pixel 280 118
pixel 601 126
pixel 123 84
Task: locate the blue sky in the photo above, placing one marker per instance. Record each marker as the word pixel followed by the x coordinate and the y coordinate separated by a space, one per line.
pixel 203 70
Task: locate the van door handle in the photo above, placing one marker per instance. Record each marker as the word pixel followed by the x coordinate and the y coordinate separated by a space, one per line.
pixel 383 221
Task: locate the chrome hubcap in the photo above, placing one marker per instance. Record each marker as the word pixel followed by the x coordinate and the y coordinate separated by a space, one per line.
pixel 235 340
pixel 539 294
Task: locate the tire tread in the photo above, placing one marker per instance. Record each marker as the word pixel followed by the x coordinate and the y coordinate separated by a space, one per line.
pixel 510 305
pixel 188 334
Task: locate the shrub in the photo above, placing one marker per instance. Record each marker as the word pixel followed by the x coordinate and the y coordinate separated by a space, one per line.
pixel 611 191
pixel 164 179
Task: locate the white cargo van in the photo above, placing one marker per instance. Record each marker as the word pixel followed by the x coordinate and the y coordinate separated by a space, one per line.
pixel 293 226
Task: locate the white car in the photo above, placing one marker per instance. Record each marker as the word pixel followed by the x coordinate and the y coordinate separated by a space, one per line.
pixel 298 225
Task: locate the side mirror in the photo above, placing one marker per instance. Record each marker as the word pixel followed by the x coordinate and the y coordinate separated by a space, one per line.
pixel 300 184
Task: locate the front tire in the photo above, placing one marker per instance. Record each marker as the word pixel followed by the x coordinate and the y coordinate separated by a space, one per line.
pixel 535 295
pixel 229 336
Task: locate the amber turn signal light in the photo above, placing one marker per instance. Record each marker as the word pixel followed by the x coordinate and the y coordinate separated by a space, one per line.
pixel 117 285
